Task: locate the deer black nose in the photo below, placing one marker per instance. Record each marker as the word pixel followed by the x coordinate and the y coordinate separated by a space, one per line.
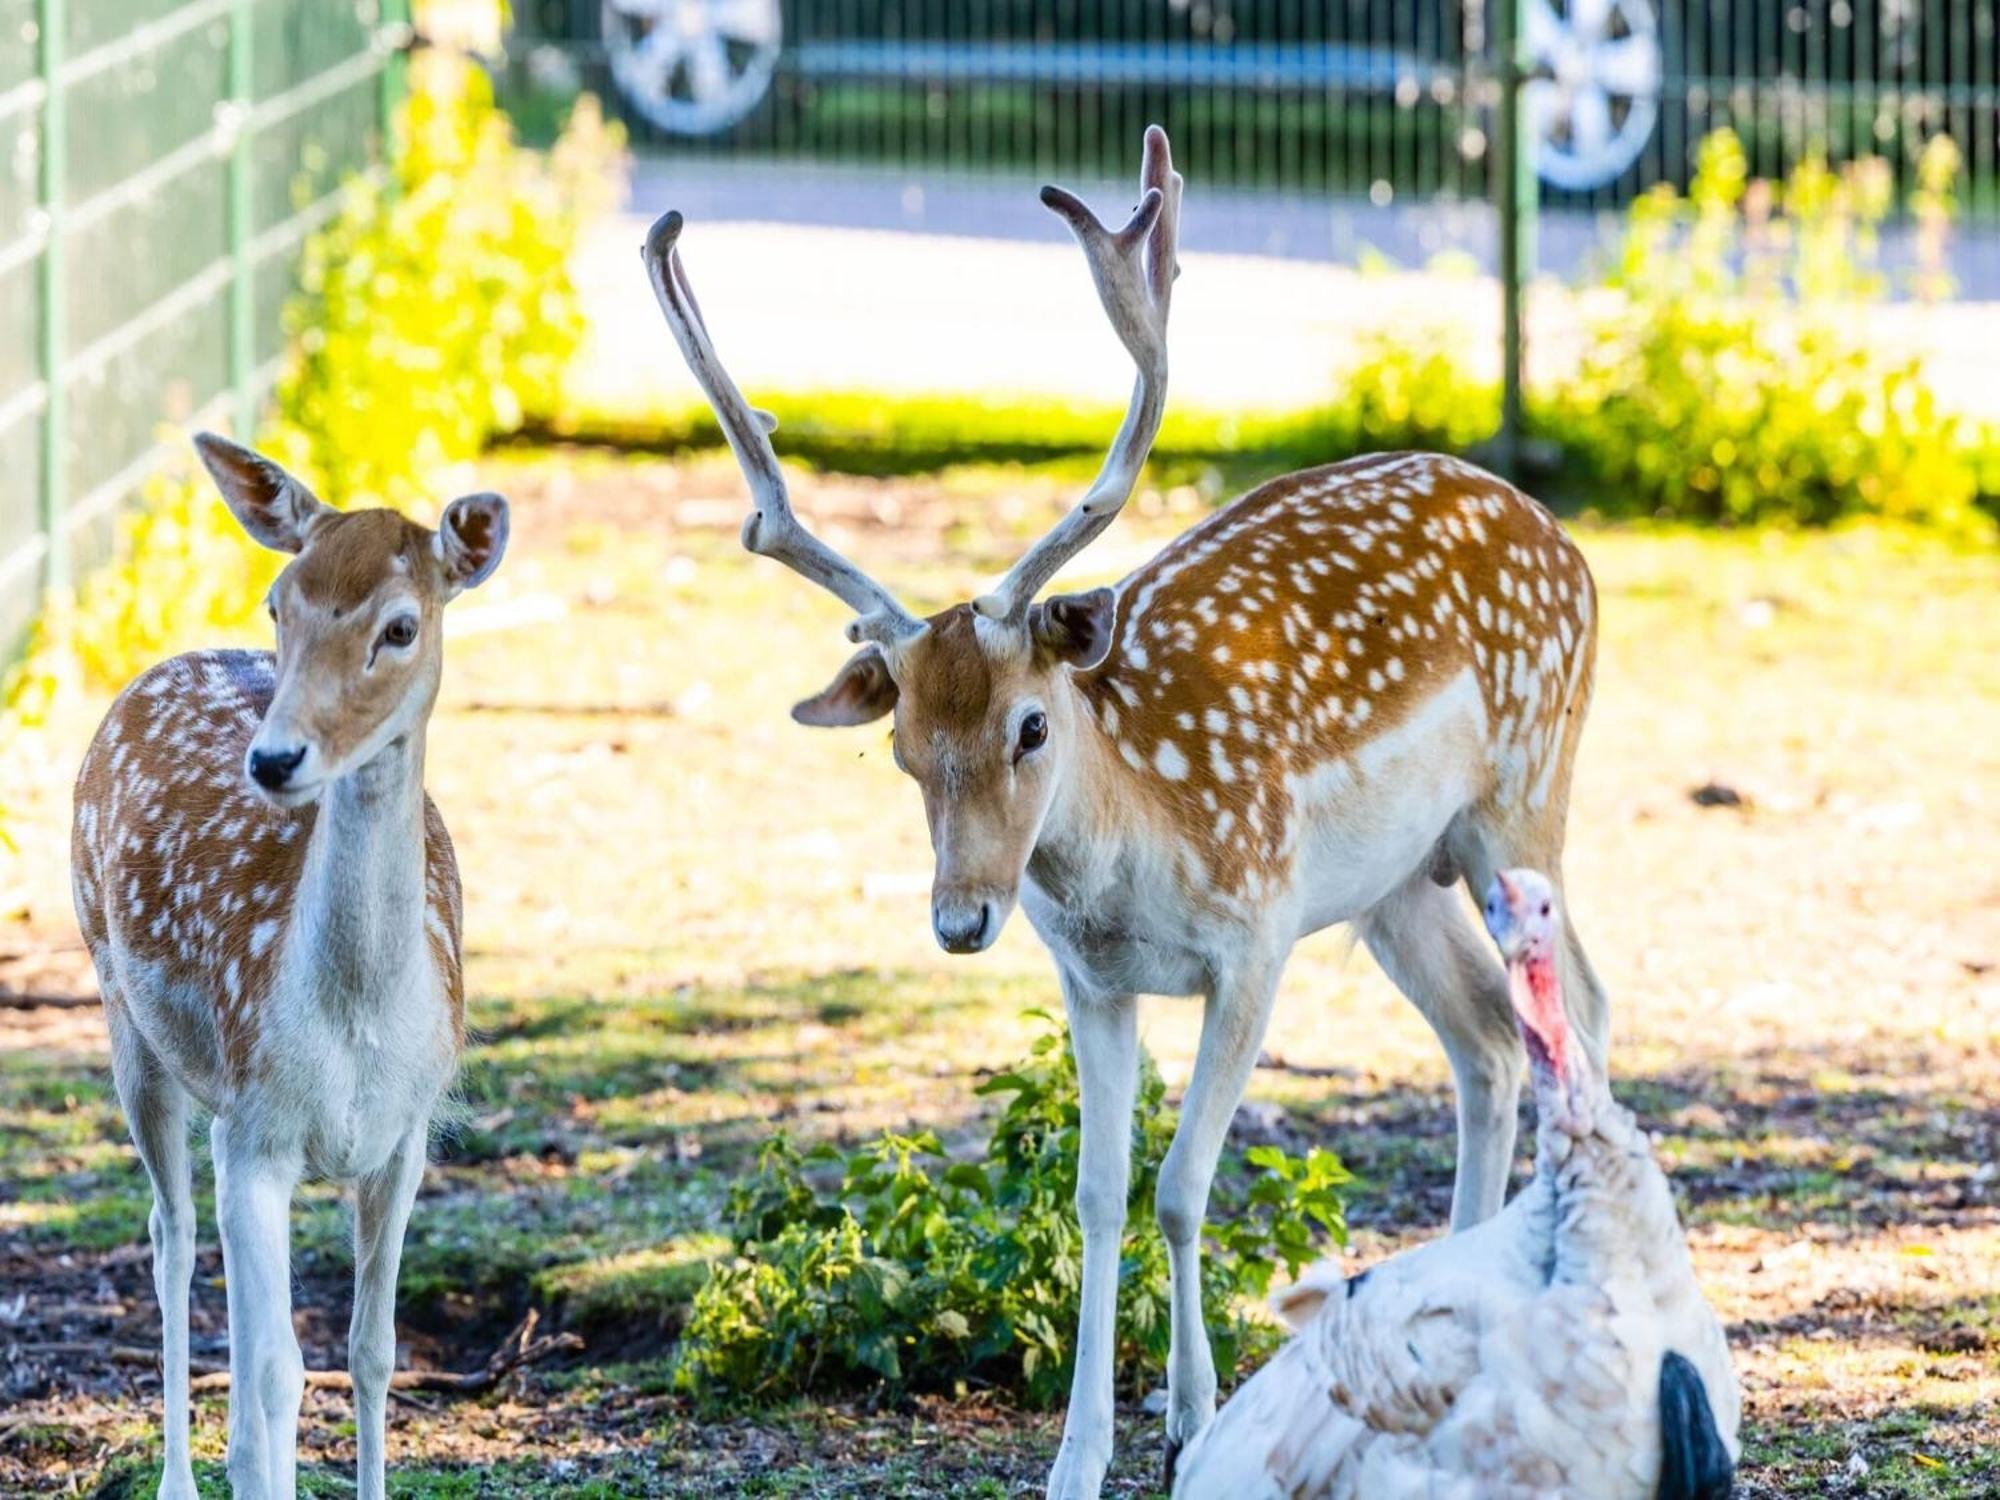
pixel 271 769
pixel 962 929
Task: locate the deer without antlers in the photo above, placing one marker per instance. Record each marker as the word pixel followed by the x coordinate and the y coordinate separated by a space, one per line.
pixel 1330 701
pixel 272 905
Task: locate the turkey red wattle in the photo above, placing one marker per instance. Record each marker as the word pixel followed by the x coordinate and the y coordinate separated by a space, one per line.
pixel 1537 994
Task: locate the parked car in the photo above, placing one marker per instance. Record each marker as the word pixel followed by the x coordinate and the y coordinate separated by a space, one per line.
pixel 1334 94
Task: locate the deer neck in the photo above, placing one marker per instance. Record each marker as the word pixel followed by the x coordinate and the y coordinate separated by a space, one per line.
pixel 360 918
pixel 1094 816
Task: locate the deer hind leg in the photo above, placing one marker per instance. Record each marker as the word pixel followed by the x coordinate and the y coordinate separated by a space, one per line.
pixel 253 1201
pixel 381 1214
pixel 156 1109
pixel 1426 942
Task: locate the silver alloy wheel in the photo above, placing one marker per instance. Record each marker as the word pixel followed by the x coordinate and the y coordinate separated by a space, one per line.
pixel 692 67
pixel 1595 96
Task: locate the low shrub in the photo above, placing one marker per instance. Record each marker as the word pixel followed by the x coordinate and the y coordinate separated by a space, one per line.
pixel 1732 382
pixel 917 1271
pixel 1409 388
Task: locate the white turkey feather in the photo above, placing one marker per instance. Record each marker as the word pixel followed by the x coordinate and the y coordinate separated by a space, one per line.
pixel 1519 1360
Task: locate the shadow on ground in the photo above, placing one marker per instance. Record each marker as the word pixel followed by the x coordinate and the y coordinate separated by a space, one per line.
pixel 596 1136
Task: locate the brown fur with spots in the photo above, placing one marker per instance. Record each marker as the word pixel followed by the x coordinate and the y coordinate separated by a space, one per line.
pixel 178 862
pixel 1307 617
pixel 1276 637
pixel 1318 706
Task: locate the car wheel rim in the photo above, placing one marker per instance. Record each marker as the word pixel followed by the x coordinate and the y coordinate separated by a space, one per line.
pixel 692 67
pixel 1595 95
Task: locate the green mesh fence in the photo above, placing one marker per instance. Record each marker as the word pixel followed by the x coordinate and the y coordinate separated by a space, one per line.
pixel 161 161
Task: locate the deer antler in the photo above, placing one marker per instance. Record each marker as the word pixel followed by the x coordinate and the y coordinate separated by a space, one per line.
pixel 771 528
pixel 1134 269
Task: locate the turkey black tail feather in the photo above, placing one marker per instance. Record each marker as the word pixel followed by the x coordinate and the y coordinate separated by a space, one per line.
pixel 1694 1461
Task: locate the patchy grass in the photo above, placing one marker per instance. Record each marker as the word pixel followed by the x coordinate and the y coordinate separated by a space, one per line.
pixel 645 1288
pixel 1916 1455
pixel 690 920
pixel 138 1479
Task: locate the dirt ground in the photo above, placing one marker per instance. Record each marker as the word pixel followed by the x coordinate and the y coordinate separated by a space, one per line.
pixel 689 920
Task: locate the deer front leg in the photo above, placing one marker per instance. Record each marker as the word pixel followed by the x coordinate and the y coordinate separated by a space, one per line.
pixel 156 1106
pixel 253 1203
pixel 381 1214
pixel 1103 1032
pixel 1232 1029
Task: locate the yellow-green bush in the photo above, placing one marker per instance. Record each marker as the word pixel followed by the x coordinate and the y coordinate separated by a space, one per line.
pixel 1733 384
pixel 184 575
pixel 1409 389
pixel 432 310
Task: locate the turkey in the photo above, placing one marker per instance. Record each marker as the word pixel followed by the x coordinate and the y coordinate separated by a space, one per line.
pixel 1561 1350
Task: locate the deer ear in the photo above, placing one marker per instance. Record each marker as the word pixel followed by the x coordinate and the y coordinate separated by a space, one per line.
pixel 272 506
pixel 1075 628
pixel 470 538
pixel 861 692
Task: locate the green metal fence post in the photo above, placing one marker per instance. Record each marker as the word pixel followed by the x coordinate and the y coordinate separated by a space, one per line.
pixel 396 34
pixel 53 290
pixel 1518 190
pixel 242 215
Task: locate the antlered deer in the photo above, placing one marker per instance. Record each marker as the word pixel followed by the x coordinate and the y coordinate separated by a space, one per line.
pixel 1327 702
pixel 272 905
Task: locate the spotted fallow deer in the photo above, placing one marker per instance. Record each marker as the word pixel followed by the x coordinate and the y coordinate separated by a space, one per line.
pixel 1330 701
pixel 272 905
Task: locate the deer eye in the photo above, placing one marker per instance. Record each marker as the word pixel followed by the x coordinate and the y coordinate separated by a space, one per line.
pixel 401 631
pixel 1034 734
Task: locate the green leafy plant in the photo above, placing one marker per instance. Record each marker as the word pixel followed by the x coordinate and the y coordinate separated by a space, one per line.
pixel 1731 384
pixel 1934 205
pixel 897 1266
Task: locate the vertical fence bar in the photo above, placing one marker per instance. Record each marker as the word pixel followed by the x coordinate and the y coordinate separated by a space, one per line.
pixel 396 35
pixel 242 213
pixel 53 290
pixel 1514 182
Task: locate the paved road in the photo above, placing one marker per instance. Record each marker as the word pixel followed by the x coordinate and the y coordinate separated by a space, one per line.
pixel 839 279
pixel 1571 243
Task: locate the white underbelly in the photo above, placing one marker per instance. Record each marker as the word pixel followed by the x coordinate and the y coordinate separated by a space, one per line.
pixel 359 1122
pixel 356 1086
pixel 1370 819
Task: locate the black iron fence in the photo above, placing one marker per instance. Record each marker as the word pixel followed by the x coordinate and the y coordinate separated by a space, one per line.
pixel 1388 98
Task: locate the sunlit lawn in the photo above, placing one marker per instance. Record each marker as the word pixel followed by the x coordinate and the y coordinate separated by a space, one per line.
pixel 691 922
